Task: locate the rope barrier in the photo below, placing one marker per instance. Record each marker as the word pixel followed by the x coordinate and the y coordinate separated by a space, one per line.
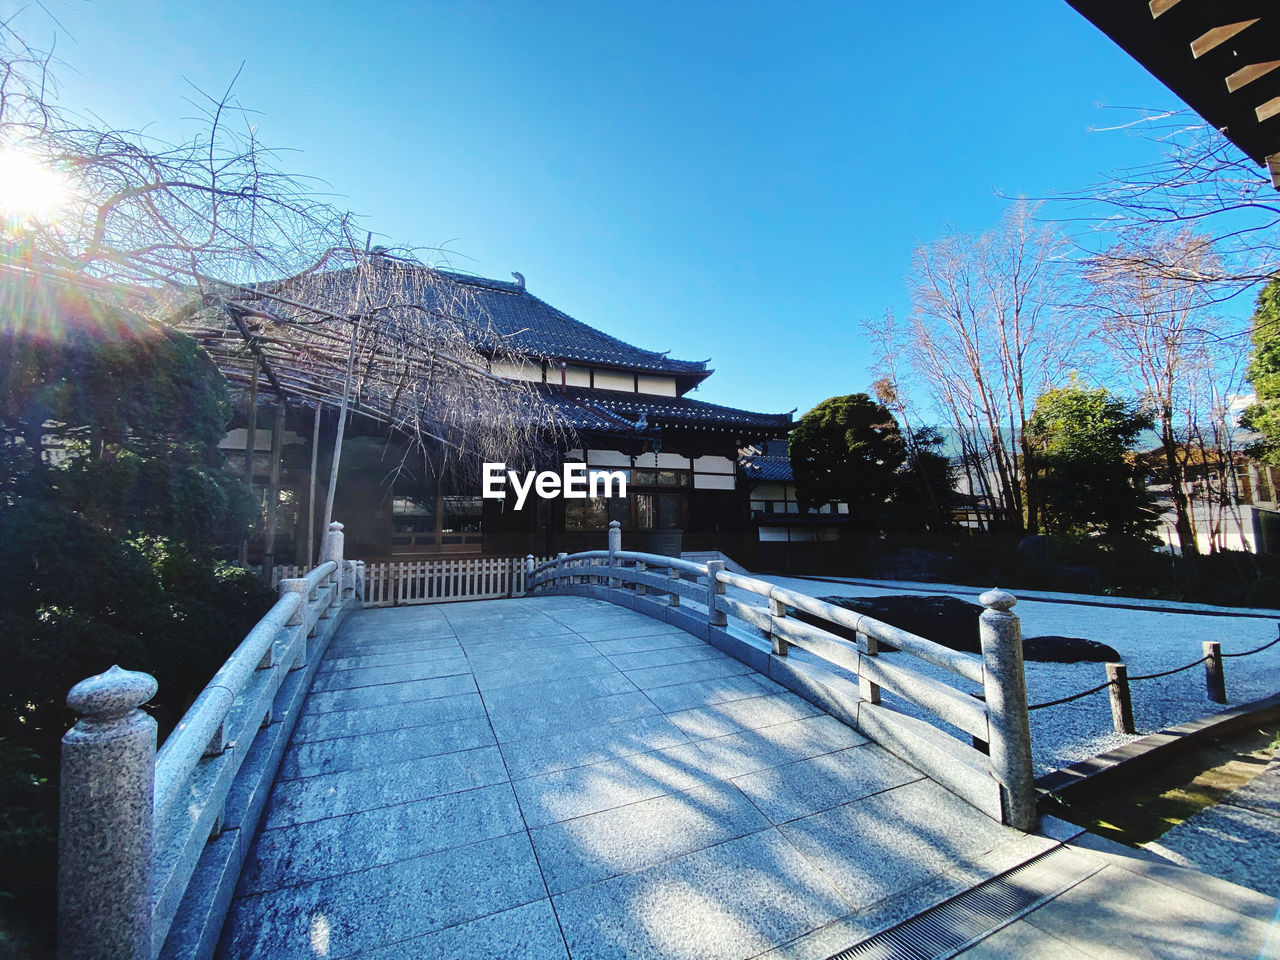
pixel 1147 676
pixel 1074 696
pixel 1169 673
pixel 1245 653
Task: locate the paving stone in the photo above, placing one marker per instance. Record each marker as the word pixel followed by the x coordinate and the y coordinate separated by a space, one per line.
pixel 1235 843
pixel 359 911
pixel 661 641
pixel 534 672
pixel 635 629
pixel 730 901
pixel 378 749
pixel 421 669
pixel 335 794
pixel 629 838
pixel 579 791
pixel 390 717
pixel 800 789
pixel 1116 914
pixel 667 655
pixel 327 848
pixel 363 698
pixel 543 718
pixel 586 744
pixel 1262 793
pixel 422 651
pixel 701 693
pixel 735 716
pixel 887 843
pixel 782 743
pixel 647 678
pixel 527 932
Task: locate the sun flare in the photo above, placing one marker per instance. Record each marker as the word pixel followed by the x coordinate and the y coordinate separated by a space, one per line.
pixel 29 190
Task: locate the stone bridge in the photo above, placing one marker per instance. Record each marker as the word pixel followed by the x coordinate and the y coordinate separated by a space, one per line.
pixel 605 768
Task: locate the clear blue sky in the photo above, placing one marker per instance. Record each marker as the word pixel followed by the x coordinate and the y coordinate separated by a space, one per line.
pixel 739 181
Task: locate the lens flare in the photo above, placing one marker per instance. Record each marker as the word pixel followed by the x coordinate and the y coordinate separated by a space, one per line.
pixel 30 192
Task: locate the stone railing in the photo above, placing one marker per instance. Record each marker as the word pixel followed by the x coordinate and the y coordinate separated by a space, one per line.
pixel 151 844
pixel 983 697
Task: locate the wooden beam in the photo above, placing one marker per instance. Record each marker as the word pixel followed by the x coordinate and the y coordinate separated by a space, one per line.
pixel 1161 6
pixel 1268 110
pixel 1246 75
pixel 1273 165
pixel 1218 36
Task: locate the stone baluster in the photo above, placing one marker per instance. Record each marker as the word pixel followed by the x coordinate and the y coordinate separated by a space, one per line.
pixel 715 589
pixel 1005 686
pixel 106 819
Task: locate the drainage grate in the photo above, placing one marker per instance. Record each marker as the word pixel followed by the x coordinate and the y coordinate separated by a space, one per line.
pixel 955 924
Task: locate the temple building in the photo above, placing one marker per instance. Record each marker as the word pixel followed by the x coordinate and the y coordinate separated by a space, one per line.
pixel 626 408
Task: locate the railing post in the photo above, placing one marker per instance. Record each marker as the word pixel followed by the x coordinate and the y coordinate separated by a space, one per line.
pixel 528 574
pixel 777 611
pixel 1215 680
pixel 715 589
pixel 1121 703
pixel 868 646
pixel 641 589
pixel 673 598
pixel 105 819
pixel 298 585
pixel 560 568
pixel 615 545
pixel 1005 686
pixel 333 543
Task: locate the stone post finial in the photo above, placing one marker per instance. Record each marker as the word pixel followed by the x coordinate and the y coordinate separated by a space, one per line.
pixel 112 694
pixel 105 819
pixel 615 545
pixel 1005 688
pixel 996 599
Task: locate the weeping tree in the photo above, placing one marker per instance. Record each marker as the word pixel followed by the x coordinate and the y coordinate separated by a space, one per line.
pixel 211 234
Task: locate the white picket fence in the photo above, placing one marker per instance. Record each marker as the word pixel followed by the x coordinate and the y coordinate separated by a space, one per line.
pixel 399 582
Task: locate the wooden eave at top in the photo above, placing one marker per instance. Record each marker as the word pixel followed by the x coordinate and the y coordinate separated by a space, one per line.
pixel 1220 56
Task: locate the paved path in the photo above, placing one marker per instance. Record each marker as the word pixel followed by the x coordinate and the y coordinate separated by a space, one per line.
pixel 561 776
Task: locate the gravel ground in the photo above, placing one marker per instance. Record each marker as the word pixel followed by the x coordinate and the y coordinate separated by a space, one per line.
pixel 1150 640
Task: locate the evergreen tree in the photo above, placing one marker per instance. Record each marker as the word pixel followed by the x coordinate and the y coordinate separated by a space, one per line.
pixel 1264 374
pixel 1091 482
pixel 848 449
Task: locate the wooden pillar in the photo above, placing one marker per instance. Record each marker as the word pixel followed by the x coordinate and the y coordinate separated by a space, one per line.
pixel 250 440
pixel 273 494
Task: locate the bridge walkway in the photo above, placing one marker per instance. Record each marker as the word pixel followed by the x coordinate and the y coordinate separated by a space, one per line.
pixel 563 777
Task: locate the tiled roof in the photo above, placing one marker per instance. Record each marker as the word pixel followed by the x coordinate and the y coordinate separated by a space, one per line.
pixel 609 411
pixel 763 467
pixel 526 325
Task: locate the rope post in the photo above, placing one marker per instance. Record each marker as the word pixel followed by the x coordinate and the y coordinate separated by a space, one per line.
pixel 1005 686
pixel 528 574
pixel 715 588
pixel 1215 680
pixel 105 819
pixel 777 611
pixel 1121 703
